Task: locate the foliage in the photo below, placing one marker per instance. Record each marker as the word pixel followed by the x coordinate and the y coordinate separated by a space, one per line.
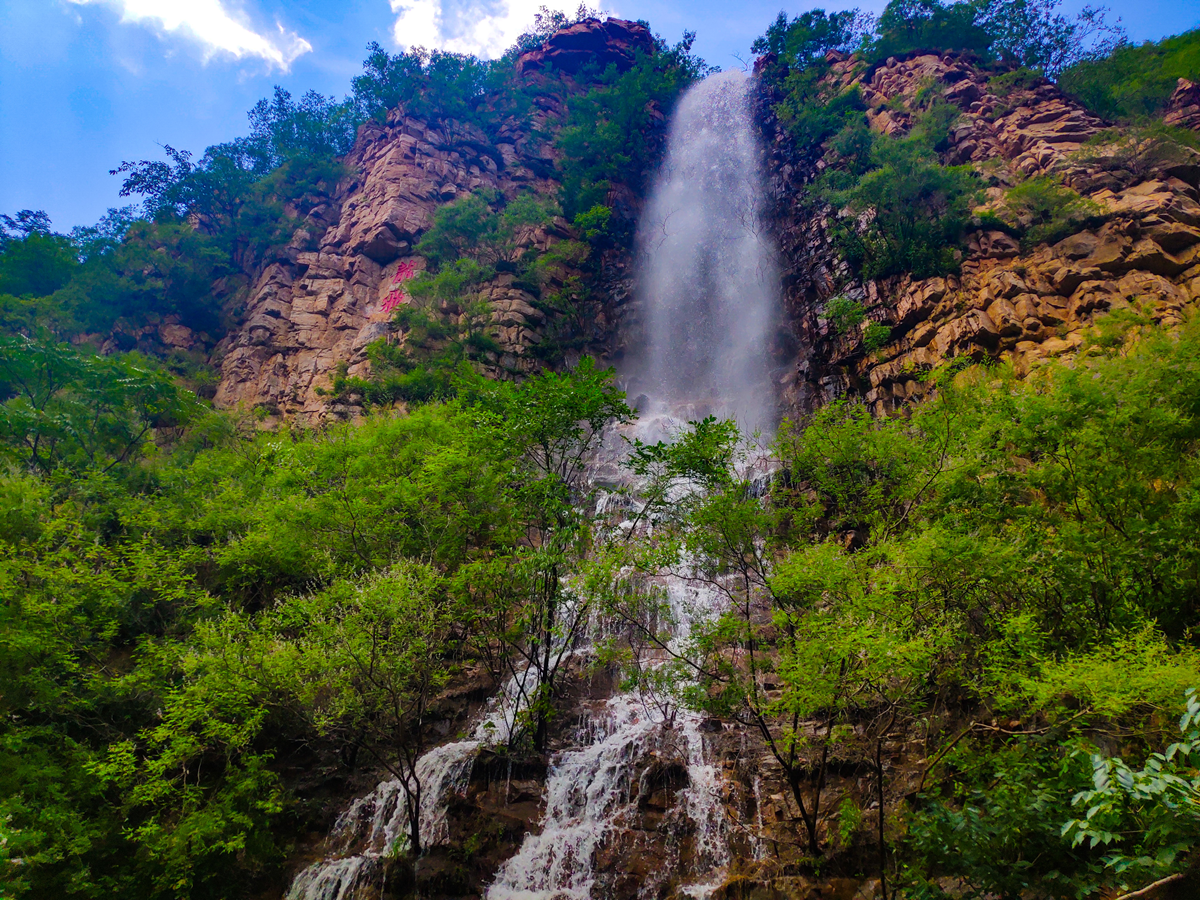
pixel 552 424
pixel 64 407
pixel 998 829
pixel 1030 33
pixel 614 133
pixel 1134 82
pixel 167 656
pixel 1047 210
pixel 445 318
pixel 906 213
pixel 34 261
pixel 875 336
pixel 843 314
pixel 431 84
pixel 813 111
pixel 806 39
pixel 1149 817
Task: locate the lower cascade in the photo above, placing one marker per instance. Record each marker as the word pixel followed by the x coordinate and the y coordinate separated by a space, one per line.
pixel 590 796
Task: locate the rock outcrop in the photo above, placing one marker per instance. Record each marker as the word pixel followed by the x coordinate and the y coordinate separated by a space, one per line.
pixel 326 297
pixel 1139 247
pixel 1183 109
pixel 592 41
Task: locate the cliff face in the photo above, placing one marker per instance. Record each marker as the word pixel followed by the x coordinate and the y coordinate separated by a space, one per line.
pixel 1140 246
pixel 322 303
pixel 324 299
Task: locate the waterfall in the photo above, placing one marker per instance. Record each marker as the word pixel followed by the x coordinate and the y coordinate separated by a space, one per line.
pixel 708 287
pixel 376 825
pixel 708 284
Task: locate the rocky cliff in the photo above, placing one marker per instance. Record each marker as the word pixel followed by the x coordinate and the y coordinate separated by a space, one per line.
pixel 324 299
pixel 1013 301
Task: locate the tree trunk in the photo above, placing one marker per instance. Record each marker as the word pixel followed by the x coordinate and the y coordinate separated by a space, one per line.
pixel 882 840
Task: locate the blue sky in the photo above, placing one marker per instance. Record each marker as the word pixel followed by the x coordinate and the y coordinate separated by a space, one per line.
pixel 85 84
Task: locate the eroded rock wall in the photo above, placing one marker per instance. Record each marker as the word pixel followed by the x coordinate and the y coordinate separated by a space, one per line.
pixel 322 302
pixel 1140 246
pixel 323 299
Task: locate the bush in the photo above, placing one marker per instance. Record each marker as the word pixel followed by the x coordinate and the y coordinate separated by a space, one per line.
pixel 907 213
pixel 843 314
pixel 615 133
pixel 806 39
pixel 875 336
pixel 1046 210
pixel 1028 33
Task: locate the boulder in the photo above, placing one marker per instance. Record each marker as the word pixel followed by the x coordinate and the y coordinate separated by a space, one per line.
pixel 614 41
pixel 1183 109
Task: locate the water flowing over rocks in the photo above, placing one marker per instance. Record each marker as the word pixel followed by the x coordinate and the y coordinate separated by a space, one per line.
pixel 632 800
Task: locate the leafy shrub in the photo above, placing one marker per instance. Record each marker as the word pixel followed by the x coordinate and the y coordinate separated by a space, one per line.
pixel 1029 33
pixel 813 110
pixel 1148 818
pixel 875 336
pixel 1020 79
pixel 615 133
pixel 907 212
pixel 61 407
pixel 1046 209
pixel 806 39
pixel 34 261
pixel 843 314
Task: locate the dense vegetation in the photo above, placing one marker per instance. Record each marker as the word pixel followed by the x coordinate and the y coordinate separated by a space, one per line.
pixel 191 609
pixel 186 618
pixel 202 625
pixel 1009 572
pixel 1135 81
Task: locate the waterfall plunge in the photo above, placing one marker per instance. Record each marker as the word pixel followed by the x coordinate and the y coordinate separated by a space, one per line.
pixel 709 282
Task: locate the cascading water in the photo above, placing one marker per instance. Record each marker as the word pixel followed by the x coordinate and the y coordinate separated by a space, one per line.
pixel 709 287
pixel 709 282
pixel 375 825
pixel 592 791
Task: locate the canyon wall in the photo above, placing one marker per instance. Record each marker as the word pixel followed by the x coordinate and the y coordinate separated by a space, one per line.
pixel 323 299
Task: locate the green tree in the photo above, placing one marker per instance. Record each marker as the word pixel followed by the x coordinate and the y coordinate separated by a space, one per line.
pixel 914 209
pixel 550 424
pixel 64 407
pixel 34 261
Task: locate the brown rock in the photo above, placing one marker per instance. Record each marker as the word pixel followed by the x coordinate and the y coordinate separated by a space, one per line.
pixel 611 41
pixel 1183 109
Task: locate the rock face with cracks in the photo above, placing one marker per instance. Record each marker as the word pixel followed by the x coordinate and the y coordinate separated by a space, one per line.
pixel 1138 247
pixel 321 301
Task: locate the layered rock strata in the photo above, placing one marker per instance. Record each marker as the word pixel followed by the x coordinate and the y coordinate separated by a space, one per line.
pixel 1139 245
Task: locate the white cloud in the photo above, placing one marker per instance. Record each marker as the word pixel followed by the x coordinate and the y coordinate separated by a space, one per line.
pixel 209 23
pixel 485 28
